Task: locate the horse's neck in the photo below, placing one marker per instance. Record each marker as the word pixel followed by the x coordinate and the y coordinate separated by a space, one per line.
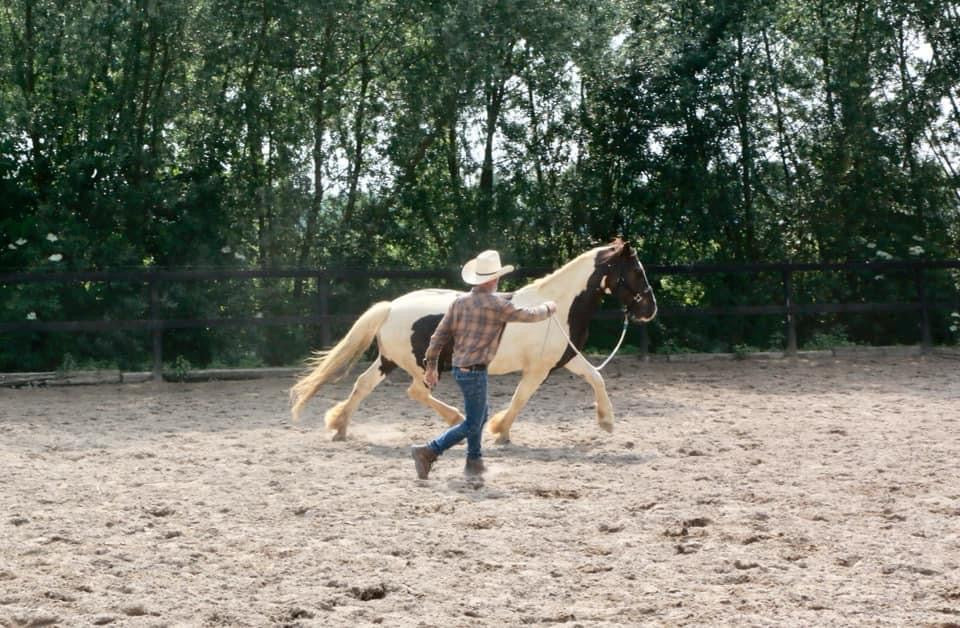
pixel 565 284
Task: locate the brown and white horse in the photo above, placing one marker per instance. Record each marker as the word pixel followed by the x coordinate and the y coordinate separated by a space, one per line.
pixel 402 329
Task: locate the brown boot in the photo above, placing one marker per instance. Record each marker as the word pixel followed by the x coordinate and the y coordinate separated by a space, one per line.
pixel 423 458
pixel 474 467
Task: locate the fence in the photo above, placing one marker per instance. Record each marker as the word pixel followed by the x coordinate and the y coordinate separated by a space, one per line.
pixel 155 280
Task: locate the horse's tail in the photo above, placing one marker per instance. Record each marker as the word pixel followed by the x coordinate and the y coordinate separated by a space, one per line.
pixel 331 365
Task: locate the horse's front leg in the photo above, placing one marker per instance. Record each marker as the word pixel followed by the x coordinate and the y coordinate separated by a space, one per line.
pixel 584 369
pixel 501 421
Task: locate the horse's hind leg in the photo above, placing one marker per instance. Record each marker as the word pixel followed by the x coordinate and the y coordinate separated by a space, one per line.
pixel 604 408
pixel 338 416
pixel 418 391
pixel 501 421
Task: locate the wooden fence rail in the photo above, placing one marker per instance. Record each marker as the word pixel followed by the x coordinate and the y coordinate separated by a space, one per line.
pixel 154 279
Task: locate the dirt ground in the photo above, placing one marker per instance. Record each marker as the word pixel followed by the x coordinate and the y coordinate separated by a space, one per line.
pixel 768 493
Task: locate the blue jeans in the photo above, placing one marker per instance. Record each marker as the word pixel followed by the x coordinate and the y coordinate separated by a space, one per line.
pixel 473 385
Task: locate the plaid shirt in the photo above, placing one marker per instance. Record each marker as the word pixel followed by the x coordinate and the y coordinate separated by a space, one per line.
pixel 475 322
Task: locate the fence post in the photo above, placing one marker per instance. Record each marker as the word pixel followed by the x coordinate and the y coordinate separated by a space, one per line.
pixel 156 330
pixel 323 309
pixel 926 340
pixel 791 316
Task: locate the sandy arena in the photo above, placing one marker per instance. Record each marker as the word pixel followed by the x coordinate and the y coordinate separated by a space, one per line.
pixel 749 493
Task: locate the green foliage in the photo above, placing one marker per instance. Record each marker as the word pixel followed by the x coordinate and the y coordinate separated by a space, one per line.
pixel 383 134
pixel 829 339
pixel 671 347
pixel 181 368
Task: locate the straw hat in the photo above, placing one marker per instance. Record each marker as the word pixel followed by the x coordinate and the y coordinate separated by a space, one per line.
pixel 483 268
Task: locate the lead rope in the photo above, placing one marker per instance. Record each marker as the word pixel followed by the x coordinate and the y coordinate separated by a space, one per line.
pixel 623 335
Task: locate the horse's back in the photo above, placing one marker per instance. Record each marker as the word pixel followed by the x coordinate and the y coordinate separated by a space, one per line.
pixel 426 300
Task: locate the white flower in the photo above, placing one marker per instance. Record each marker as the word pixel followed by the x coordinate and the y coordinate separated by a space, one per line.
pixel 916 250
pixel 56 257
pixel 871 245
pixel 52 237
pixel 240 256
pixel 12 246
pixel 258 315
pixel 954 328
pixel 955 314
pixel 879 277
pixel 918 238
pixel 884 255
pixel 32 316
pixel 225 249
pixel 21 242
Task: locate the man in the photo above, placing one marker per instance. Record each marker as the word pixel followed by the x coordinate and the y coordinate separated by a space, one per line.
pixel 475 322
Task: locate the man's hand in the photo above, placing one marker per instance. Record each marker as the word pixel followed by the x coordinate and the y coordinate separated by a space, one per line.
pixel 431 377
pixel 551 307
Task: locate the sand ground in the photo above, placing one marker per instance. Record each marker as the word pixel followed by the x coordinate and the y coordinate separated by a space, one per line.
pixel 767 493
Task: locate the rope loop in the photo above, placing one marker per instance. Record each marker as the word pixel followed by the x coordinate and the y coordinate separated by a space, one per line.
pixel 623 334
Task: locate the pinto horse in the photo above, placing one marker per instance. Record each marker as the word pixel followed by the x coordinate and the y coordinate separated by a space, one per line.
pixel 402 329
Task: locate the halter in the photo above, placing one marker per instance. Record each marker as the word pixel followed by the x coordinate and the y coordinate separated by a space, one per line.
pixel 637 297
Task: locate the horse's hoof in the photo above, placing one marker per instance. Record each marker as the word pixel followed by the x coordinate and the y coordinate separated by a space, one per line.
pixel 339 436
pixel 606 427
pixel 502 440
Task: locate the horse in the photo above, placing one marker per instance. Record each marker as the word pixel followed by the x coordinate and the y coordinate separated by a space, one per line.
pixel 403 327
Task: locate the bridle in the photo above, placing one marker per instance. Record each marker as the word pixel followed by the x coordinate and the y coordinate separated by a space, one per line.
pixel 622 283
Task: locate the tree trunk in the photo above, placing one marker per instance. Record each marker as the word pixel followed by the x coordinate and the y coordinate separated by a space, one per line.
pixel 29 90
pixel 254 138
pixel 825 28
pixel 319 112
pixel 359 118
pixel 535 143
pixel 143 106
pixel 746 149
pixel 166 62
pixel 783 143
pixel 453 145
pixel 494 101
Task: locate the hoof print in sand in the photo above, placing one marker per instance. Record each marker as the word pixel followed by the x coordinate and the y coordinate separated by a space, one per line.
pixel 367 593
pixel 36 620
pixel 696 522
pixel 557 493
pixel 160 511
pixel 739 564
pixel 134 610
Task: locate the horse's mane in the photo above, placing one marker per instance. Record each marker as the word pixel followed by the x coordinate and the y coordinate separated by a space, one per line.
pixel 617 246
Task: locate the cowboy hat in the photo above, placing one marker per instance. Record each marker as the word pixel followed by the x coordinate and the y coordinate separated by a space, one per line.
pixel 483 268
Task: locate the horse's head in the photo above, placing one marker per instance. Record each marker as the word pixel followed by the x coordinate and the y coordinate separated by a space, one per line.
pixel 622 275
